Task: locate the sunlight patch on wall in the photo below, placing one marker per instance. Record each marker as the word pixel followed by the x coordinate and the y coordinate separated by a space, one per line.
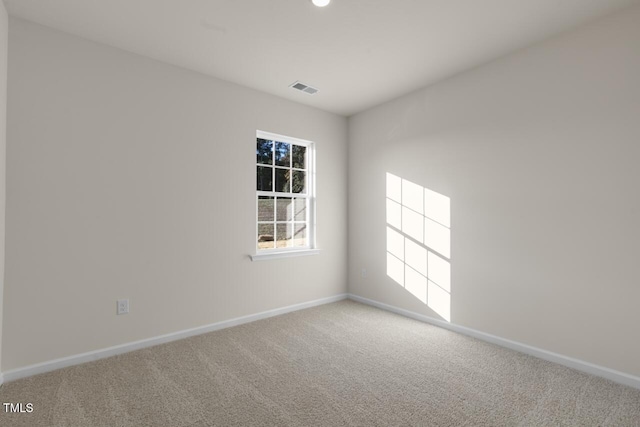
pixel 419 243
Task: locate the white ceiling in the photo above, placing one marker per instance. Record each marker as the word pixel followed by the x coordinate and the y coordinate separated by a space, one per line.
pixel 358 53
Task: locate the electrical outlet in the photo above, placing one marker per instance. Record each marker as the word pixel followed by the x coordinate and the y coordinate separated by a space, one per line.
pixel 363 273
pixel 123 306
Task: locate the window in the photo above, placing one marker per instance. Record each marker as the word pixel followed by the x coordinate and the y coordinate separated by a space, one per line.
pixel 284 194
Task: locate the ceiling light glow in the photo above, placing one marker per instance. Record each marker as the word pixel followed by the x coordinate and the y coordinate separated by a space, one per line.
pixel 321 3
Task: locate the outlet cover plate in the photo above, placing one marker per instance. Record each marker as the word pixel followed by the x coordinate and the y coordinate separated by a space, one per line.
pixel 123 306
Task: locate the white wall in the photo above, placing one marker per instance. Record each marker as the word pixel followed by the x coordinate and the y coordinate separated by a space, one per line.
pixel 129 178
pixel 4 37
pixel 539 155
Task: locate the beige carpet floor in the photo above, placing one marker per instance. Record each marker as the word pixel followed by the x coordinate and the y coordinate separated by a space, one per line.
pixel 342 364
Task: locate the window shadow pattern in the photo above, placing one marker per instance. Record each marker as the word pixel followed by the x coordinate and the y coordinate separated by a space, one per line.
pixel 419 242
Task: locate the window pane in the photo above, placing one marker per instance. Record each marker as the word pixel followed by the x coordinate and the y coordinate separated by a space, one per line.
pixel 265 236
pixel 283 154
pixel 299 156
pixel 284 209
pixel 283 235
pixel 300 234
pixel 264 151
pixel 300 210
pixel 265 178
pixel 282 181
pixel 283 169
pixel 265 208
pixel 298 182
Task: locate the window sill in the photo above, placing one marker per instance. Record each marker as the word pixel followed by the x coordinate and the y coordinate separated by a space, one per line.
pixel 283 254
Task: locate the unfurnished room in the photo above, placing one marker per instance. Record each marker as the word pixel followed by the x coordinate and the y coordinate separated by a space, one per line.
pixel 319 213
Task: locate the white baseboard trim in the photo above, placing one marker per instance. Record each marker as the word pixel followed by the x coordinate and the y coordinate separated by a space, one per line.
pixel 580 365
pixel 90 356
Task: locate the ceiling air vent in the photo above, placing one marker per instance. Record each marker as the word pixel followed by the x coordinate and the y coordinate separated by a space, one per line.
pixel 304 88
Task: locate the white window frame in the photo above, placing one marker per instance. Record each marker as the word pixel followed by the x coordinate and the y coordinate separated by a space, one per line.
pixel 310 195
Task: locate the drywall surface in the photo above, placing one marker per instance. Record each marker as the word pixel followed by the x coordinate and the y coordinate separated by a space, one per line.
pixel 130 178
pixel 4 48
pixel 538 153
